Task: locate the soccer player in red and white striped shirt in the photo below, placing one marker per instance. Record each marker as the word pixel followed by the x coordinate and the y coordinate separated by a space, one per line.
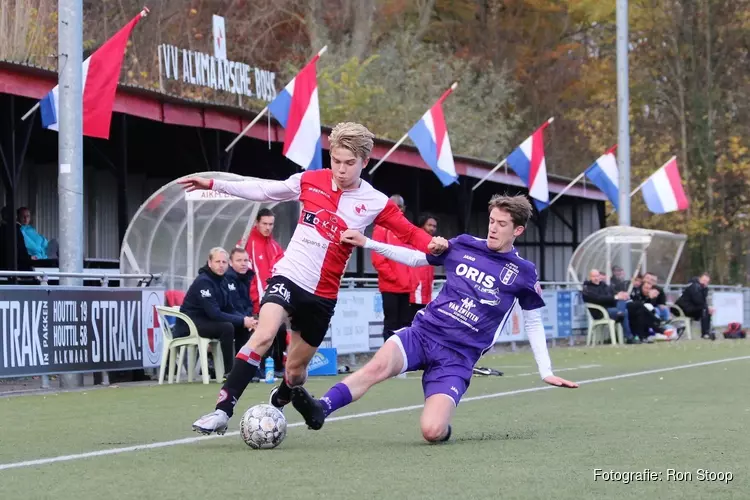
pixel 305 282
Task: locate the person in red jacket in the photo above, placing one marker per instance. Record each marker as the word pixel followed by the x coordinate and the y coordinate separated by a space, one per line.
pixel 264 252
pixel 394 279
pixel 423 276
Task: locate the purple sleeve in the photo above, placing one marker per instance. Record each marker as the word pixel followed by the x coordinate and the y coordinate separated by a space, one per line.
pixel 439 260
pixel 530 297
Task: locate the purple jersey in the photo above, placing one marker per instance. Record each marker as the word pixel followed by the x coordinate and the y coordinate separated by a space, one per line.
pixel 481 289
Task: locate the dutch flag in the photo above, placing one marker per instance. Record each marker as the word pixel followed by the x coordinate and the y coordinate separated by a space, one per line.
pixel 297 110
pixel 101 72
pixel 605 175
pixel 430 135
pixel 663 191
pixel 528 162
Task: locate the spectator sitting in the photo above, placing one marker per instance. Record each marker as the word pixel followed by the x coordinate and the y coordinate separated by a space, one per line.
pixel 23 259
pixel 657 297
pixel 423 276
pixel 644 316
pixel 238 283
pixel 619 282
pixel 207 303
pixel 635 292
pixel 595 291
pixel 694 303
pixel 37 245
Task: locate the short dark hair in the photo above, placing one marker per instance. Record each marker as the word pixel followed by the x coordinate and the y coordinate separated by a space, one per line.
pixel 236 250
pixel 705 273
pixel 263 212
pixel 517 206
pixel 423 218
pixel 20 211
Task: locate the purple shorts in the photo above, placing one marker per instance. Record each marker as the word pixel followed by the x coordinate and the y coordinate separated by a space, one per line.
pixel 445 371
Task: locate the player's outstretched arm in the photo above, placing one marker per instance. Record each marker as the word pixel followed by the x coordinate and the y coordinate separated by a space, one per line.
pixel 412 258
pixel 254 190
pixel 538 341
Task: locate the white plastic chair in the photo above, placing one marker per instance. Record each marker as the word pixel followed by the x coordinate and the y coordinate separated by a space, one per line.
pixel 615 329
pixel 679 315
pixel 193 342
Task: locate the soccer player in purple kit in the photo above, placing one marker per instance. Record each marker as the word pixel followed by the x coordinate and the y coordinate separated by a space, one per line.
pixel 485 280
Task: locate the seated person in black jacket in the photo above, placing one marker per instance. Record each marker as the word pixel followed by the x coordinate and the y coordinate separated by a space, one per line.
pixel 694 303
pixel 596 291
pixel 240 277
pixel 620 282
pixel 207 303
pixel 656 296
pixel 645 322
pixel 23 259
pixel 635 292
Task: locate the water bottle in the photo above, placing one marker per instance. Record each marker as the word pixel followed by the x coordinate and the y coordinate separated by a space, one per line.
pixel 270 377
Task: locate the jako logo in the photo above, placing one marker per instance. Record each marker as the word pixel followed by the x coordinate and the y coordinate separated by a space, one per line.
pixel 317 361
pixel 469 257
pixel 475 275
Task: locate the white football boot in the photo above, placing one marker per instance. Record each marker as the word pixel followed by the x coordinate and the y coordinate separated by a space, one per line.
pixel 215 421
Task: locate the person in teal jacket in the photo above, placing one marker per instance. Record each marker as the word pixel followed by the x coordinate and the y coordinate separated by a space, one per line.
pixel 36 244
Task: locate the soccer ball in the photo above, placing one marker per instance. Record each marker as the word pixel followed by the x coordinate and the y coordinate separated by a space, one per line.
pixel 263 427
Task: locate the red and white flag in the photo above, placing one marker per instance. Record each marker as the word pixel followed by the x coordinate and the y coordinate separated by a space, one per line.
pixel 101 73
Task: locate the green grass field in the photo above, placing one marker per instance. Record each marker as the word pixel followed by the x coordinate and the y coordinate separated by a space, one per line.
pixel 526 441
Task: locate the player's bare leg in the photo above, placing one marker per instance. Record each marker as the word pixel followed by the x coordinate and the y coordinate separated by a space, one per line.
pixel 270 318
pixel 436 418
pixel 299 354
pixel 387 362
pixel 297 361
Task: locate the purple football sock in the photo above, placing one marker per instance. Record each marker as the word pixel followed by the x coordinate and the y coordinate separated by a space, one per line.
pixel 337 397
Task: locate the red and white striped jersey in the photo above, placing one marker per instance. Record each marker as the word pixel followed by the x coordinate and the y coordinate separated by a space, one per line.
pixel 314 258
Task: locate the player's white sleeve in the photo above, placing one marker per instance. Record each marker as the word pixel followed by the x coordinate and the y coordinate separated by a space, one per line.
pixel 261 190
pixel 538 340
pixel 412 258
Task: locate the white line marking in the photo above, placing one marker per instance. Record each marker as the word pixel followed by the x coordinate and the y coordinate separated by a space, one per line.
pixel 164 444
pixel 582 367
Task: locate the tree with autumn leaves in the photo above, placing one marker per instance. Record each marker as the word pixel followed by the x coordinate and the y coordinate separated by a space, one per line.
pixel 518 62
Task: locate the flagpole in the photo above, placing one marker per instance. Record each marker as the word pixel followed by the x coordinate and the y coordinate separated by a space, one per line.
pixel 395 146
pixel 260 115
pixel 647 178
pixel 574 181
pixel 497 167
pixel 544 125
pixel 566 188
pixel 400 141
pixel 639 187
pixel 29 112
pixel 244 131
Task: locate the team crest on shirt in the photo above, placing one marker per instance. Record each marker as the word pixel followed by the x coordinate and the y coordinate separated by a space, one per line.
pixel 508 274
pixel 328 225
pixel 360 209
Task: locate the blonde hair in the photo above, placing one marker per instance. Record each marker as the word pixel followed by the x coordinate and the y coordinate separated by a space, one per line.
pixel 354 137
pixel 212 253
